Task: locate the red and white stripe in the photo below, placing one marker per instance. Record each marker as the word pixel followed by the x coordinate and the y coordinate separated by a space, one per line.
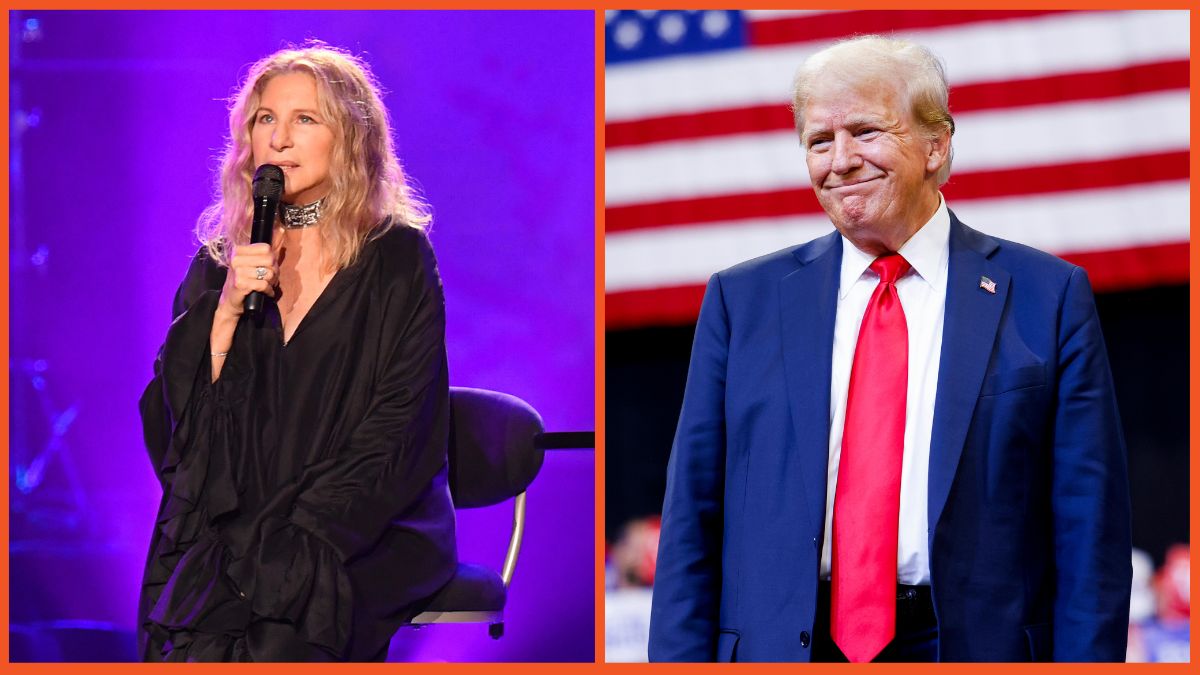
pixel 1072 136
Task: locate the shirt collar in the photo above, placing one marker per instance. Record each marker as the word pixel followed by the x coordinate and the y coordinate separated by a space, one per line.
pixel 927 250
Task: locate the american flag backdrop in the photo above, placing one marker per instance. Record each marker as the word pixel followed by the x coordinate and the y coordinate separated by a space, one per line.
pixel 1072 137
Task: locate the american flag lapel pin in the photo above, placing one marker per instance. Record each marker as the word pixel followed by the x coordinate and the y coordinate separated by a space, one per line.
pixel 987 285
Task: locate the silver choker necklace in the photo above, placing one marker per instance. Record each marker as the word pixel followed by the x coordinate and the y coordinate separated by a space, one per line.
pixel 300 217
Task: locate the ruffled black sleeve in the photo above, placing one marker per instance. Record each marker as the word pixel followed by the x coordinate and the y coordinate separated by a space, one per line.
pixel 177 370
pixel 395 452
pixel 187 423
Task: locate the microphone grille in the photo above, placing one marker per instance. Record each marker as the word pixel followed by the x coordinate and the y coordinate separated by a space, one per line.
pixel 268 182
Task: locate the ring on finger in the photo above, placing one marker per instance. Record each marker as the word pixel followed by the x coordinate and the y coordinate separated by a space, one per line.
pixel 260 273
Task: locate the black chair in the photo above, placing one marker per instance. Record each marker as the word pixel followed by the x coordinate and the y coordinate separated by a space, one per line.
pixel 496 450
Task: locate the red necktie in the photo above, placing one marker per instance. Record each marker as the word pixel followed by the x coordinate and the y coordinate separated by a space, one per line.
pixel 866 508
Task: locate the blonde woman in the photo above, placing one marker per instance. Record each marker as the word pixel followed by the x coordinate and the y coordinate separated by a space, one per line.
pixel 302 450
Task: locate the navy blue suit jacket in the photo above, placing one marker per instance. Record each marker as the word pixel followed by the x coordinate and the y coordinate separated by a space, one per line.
pixel 1029 532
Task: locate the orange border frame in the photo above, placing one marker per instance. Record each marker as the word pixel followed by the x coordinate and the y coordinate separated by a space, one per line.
pixel 1194 340
pixel 598 6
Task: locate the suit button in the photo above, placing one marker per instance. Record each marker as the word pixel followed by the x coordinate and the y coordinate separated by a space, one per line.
pixel 816 544
pixel 804 638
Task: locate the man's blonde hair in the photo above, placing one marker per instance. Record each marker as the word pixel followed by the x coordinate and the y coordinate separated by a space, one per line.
pixel 872 59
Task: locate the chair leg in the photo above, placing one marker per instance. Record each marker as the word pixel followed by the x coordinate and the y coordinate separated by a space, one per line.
pixel 496 630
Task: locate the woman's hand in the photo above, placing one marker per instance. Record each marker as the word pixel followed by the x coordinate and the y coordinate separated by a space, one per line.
pixel 243 277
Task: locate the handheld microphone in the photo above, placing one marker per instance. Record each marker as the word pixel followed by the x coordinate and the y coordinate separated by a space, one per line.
pixel 268 188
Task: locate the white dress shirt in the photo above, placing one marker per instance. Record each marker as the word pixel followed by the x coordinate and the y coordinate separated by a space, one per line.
pixel 922 293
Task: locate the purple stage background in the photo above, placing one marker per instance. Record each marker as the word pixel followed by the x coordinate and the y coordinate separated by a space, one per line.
pixel 117 119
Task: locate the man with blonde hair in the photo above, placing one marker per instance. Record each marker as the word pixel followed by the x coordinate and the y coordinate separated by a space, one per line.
pixel 899 441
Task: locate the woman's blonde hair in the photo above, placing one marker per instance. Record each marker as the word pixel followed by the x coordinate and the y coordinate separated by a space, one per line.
pixel 368 183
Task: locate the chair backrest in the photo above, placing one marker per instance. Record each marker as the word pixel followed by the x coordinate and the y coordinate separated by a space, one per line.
pixel 494 455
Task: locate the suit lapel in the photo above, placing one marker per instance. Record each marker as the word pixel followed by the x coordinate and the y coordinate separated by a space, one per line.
pixel 969 333
pixel 808 303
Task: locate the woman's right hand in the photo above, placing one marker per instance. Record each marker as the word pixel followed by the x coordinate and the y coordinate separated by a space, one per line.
pixel 243 277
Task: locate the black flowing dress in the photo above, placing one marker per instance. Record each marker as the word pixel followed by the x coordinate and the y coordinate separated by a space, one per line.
pixel 305 511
